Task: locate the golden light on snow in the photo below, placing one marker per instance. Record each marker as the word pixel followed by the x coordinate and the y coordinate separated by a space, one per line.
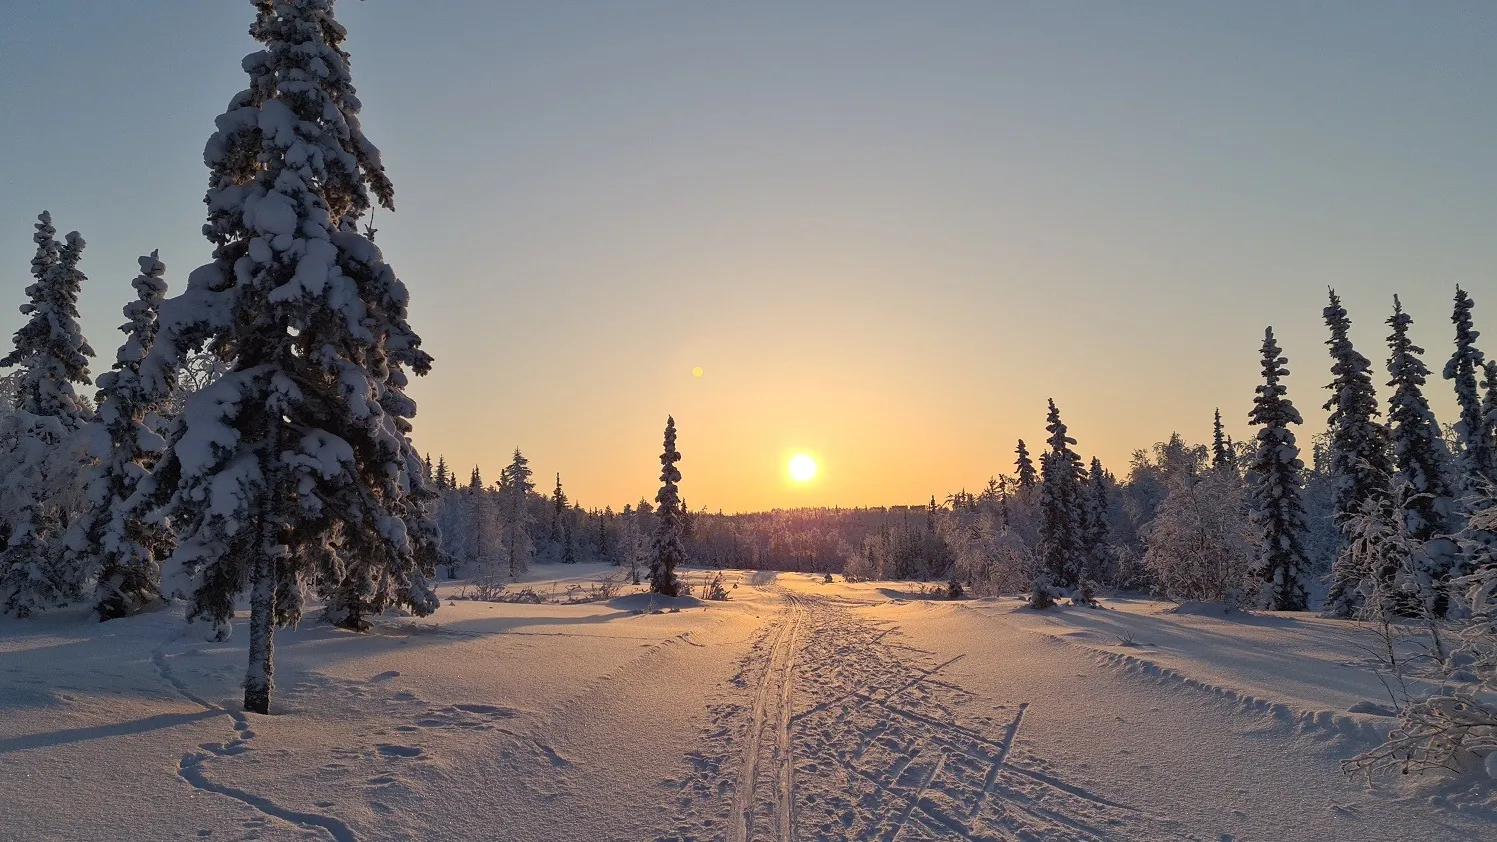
pixel 696 371
pixel 802 467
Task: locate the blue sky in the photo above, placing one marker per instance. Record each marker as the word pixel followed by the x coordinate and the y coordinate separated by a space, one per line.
pixel 886 231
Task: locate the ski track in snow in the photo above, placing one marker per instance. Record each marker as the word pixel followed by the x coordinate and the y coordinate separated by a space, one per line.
pixel 193 766
pixel 877 751
pixel 774 687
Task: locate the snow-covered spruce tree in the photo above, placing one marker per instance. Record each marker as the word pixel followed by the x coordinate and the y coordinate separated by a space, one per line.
pixel 1001 500
pixel 476 547
pixel 1095 521
pixel 1062 528
pixel 111 542
pixel 439 473
pixel 1422 461
pixel 569 537
pixel 668 550
pixel 50 347
pixel 1473 456
pixel 1024 467
pixel 1481 543
pixel 1274 480
pixel 355 585
pixel 514 515
pixel 450 521
pixel 37 444
pixel 1223 460
pixel 559 508
pixel 1475 447
pixel 1360 462
pixel 293 465
pixel 605 536
pixel 1489 412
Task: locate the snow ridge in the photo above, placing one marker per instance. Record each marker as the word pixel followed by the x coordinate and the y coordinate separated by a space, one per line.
pixel 1303 721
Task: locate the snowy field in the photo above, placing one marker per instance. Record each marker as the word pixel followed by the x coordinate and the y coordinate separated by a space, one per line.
pixel 796 709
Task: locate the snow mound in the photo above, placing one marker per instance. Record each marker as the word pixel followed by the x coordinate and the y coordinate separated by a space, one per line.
pixel 1372 708
pixel 649 603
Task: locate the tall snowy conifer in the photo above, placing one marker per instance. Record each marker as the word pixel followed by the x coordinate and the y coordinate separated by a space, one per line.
pixel 1095 511
pixel 558 513
pixel 668 550
pixel 1024 467
pixel 1062 529
pixel 1360 462
pixel 112 540
pixel 1422 461
pixel 1474 454
pixel 1482 555
pixel 514 500
pixel 1223 460
pixel 50 347
pixel 1274 482
pixel 355 585
pixel 295 464
pixel 36 460
pixel 1489 412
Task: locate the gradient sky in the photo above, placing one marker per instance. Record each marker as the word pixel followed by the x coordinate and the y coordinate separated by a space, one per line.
pixel 886 231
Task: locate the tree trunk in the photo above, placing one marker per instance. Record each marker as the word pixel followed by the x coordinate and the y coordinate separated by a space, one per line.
pixel 257 681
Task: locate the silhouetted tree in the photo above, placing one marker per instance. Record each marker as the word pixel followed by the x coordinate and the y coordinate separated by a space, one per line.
pixel 668 550
pixel 1360 464
pixel 1422 462
pixel 1274 481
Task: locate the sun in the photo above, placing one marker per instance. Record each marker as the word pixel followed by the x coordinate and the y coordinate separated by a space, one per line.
pixel 802 467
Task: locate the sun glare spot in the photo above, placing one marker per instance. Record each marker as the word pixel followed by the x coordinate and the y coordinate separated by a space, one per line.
pixel 802 467
pixel 696 372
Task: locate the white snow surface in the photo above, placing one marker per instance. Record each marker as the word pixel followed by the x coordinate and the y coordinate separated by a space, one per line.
pixel 794 710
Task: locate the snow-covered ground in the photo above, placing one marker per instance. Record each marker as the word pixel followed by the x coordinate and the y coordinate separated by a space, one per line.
pixel 796 709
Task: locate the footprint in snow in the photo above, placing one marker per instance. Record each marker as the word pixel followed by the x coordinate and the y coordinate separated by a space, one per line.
pixel 489 710
pixel 391 750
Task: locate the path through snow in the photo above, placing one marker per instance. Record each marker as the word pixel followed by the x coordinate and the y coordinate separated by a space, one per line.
pixel 851 733
pixel 797 710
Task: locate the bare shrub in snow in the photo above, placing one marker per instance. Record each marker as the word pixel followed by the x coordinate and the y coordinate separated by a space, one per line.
pixel 488 589
pixel 1201 543
pixel 596 592
pixel 714 589
pixel 986 556
pixel 1452 727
